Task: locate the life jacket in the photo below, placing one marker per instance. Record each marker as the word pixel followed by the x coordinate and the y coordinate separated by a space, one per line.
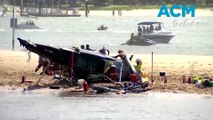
pixel 138 67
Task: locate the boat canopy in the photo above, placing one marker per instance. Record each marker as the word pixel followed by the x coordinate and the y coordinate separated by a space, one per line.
pixel 149 23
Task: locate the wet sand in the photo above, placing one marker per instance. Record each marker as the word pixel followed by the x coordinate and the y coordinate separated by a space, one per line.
pixel 14 65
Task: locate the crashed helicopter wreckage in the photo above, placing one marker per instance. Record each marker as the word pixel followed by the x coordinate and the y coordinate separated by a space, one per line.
pixel 82 64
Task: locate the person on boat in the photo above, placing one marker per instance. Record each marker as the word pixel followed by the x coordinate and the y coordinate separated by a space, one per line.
pixel 139 31
pixel 44 63
pixel 32 23
pixel 144 29
pixel 151 28
pixel 132 35
pixel 88 48
pixel 159 27
pixel 104 50
pixel 102 27
pixel 112 72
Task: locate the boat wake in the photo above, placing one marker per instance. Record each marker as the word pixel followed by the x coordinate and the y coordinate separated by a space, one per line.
pixel 2 29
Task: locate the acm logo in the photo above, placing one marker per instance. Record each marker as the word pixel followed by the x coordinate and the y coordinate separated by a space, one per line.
pixel 170 12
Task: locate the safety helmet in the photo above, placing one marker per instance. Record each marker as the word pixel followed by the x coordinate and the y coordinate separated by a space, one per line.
pixel 138 60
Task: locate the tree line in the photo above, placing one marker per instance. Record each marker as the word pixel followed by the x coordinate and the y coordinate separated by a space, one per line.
pixel 105 2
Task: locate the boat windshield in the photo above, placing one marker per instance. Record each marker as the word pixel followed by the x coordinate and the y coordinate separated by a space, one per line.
pixel 151 27
pixel 29 22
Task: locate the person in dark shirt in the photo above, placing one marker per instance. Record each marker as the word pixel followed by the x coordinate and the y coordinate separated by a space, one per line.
pixel 121 54
pixel 88 48
pixel 82 46
pixel 44 63
pixel 104 50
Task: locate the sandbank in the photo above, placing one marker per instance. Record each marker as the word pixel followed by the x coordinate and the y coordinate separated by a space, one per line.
pixel 14 65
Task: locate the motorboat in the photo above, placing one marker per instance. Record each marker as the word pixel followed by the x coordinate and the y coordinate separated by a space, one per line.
pixel 3 15
pixel 27 25
pixel 155 31
pixel 139 40
pixel 54 13
pixel 102 27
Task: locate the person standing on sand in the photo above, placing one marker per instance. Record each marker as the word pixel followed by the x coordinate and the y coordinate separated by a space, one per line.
pixel 121 54
pixel 88 48
pixel 104 50
pixel 138 66
pixel 82 46
pixel 113 13
pixel 44 63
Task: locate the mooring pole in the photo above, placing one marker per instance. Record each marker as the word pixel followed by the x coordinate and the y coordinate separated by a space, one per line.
pixel 52 7
pixel 13 31
pixel 21 10
pixel 152 79
pixel 86 8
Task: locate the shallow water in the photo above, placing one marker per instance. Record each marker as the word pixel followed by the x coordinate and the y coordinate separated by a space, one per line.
pixel 147 106
pixel 191 39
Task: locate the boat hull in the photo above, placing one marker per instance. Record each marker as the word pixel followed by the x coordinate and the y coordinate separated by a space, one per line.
pixel 159 38
pixel 25 26
pixel 104 28
pixel 140 41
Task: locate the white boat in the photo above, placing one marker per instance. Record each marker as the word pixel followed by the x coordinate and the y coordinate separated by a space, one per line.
pixel 154 31
pixel 3 15
pixel 27 25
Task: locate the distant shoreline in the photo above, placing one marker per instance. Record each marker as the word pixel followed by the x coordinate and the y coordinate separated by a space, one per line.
pixel 141 12
pixel 134 12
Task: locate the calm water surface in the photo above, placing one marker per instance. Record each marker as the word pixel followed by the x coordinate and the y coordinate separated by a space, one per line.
pixel 146 106
pixel 195 38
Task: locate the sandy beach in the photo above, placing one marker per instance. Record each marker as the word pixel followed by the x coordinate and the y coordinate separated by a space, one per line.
pixel 14 65
pixel 143 12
